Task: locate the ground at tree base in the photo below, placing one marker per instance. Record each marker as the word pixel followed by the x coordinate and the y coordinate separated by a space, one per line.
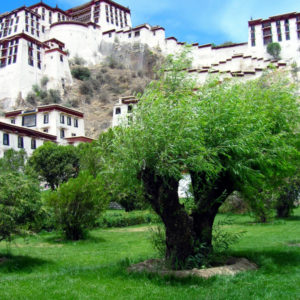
pixel 232 267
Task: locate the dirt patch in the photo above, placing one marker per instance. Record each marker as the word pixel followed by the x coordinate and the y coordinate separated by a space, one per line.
pixel 232 267
pixel 294 244
pixel 139 229
pixel 40 245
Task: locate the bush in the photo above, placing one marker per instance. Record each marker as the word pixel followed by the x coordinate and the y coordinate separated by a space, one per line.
pixel 44 81
pixel 86 88
pixel 124 219
pixel 274 50
pixel 19 204
pixel 77 204
pixel 53 96
pixel 81 73
pixel 31 98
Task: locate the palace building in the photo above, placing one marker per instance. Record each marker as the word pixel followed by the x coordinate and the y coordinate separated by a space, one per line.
pixel 39 40
pixel 29 129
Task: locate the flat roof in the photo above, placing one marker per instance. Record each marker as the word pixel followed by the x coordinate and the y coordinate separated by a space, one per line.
pixel 48 107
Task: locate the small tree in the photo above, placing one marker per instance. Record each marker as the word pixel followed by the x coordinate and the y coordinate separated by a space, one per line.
pixel 81 73
pixel 274 50
pixel 54 163
pixel 77 204
pixel 19 204
pixel 13 161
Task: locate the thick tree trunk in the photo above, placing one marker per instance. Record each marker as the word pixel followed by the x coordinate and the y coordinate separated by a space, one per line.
pixel 162 194
pixel 208 197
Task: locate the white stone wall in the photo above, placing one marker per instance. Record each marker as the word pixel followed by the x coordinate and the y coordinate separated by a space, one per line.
pixel 54 124
pixel 13 143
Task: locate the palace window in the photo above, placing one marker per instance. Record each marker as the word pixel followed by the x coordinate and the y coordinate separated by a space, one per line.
pixel 62 133
pixel 76 123
pixel 29 120
pixel 62 119
pixel 61 58
pixel 118 110
pixel 69 121
pixel 20 142
pixel 12 121
pixel 33 144
pixel 137 33
pixel 6 139
pixel 46 118
pixel 129 108
pixel 287 36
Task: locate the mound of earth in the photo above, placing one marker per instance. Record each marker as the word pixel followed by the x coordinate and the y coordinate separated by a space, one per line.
pixel 157 266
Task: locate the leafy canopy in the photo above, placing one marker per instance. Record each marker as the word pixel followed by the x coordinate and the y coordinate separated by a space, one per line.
pixel 54 163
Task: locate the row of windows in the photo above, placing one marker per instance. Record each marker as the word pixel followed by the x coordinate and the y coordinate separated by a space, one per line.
pixel 9 31
pixel 115 15
pixel 6 141
pixel 69 120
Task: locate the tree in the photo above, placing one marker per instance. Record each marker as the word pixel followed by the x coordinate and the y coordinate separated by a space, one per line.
pixel 229 136
pixel 13 161
pixel 274 50
pixel 287 198
pixel 54 163
pixel 19 204
pixel 77 204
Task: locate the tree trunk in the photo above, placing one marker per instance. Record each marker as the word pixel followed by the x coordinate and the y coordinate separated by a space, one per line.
pixel 162 194
pixel 208 197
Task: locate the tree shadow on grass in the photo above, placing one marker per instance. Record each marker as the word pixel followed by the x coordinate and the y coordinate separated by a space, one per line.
pixel 59 239
pixel 274 259
pixel 15 263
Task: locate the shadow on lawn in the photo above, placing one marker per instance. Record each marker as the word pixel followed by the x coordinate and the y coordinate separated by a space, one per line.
pixel 273 259
pixel 13 263
pixel 58 239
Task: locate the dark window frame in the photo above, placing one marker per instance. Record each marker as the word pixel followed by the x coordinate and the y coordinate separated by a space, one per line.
pixel 5 139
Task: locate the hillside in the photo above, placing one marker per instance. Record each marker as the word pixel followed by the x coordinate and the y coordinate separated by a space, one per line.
pixel 125 70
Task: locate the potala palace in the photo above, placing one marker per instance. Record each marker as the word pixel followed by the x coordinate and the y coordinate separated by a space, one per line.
pixel 38 40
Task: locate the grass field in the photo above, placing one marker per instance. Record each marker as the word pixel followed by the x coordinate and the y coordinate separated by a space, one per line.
pixel 43 267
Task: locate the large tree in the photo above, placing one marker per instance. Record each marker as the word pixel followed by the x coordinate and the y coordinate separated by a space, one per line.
pixel 229 136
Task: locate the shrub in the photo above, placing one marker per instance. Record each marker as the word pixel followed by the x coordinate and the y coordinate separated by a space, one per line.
pixel 274 50
pixel 44 81
pixel 81 73
pixel 77 204
pixel 31 98
pixel 124 219
pixel 19 204
pixel 86 88
pixel 53 96
pixel 78 61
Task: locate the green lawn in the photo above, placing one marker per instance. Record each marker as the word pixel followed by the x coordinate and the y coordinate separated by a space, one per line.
pixel 43 267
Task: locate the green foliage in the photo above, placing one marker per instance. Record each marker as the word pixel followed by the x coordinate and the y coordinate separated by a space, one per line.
pixel 77 204
pixel 40 94
pixel 274 50
pixel 243 135
pixel 81 73
pixel 124 219
pixel 13 161
pixel 19 204
pixel 54 164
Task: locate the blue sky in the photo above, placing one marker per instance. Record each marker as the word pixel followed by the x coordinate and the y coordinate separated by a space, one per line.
pixel 202 21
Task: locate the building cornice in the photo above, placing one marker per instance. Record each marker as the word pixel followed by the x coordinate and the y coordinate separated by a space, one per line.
pixel 26 131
